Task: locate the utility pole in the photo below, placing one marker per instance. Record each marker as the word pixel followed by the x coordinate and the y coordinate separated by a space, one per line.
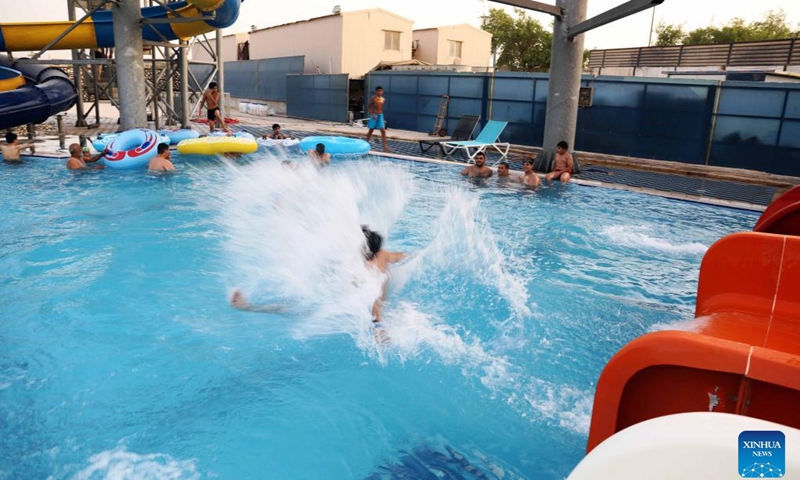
pixel 566 67
pixel 130 64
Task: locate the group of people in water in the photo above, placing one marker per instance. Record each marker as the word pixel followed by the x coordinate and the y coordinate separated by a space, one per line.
pixel 563 165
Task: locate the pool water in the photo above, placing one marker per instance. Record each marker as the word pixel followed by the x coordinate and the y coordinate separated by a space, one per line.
pixel 120 356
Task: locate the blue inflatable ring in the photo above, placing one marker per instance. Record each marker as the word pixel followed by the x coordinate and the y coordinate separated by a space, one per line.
pixel 337 145
pixel 175 136
pixel 132 149
pixel 102 140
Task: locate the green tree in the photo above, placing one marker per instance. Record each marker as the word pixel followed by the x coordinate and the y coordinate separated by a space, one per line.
pixel 522 43
pixel 772 26
pixel 668 35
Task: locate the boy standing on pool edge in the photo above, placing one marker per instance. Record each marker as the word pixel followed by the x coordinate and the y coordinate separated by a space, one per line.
pixel 376 120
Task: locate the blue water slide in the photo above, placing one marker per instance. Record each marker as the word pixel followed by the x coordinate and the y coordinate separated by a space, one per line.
pixel 47 92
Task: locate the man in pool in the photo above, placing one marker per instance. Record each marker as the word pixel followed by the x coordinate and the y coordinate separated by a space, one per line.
pixel 376 120
pixel 479 170
pixel 562 165
pixel 76 160
pixel 276 133
pixel 528 176
pixel 503 172
pixel 320 156
pixel 11 150
pixel 161 162
pixel 374 256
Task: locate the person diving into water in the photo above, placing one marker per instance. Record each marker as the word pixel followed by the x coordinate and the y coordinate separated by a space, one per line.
pixel 374 257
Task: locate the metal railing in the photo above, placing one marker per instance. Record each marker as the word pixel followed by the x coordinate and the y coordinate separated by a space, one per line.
pixel 744 54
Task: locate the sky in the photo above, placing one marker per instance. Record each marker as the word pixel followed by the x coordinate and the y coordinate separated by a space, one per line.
pixel 631 32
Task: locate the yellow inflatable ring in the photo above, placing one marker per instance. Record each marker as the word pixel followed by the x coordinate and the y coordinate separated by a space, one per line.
pixel 217 145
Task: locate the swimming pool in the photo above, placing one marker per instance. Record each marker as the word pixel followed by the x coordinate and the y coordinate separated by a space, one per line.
pixel 119 352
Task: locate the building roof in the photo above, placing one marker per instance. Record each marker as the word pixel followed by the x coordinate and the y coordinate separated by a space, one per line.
pixel 389 65
pixel 355 12
pixel 441 27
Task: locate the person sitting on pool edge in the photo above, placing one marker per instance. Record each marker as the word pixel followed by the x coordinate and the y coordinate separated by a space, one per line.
pixel 76 159
pixel 161 162
pixel 319 155
pixel 276 133
pixel 11 150
pixel 479 170
pixel 562 165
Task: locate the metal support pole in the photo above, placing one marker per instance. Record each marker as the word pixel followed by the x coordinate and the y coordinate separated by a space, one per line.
pixel 156 93
pixel 96 84
pixel 220 73
pixel 31 134
pixel 170 87
pixel 130 64
pixel 183 57
pixel 76 73
pixel 566 66
pixel 61 136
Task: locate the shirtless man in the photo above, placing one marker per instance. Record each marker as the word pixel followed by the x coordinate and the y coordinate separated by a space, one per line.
pixel 211 101
pixel 376 120
pixel 503 172
pixel 77 162
pixel 161 162
pixel 11 150
pixel 562 166
pixel 528 176
pixel 319 156
pixel 374 257
pixel 479 170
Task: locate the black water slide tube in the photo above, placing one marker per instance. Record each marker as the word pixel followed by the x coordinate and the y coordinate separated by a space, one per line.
pixel 48 91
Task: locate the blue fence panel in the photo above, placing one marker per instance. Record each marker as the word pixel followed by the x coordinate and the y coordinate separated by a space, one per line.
pixel 321 97
pixel 648 118
pixel 263 79
pixel 757 128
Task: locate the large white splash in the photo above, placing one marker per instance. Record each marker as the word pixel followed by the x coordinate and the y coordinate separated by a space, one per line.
pixel 294 236
pixel 120 464
pixel 642 237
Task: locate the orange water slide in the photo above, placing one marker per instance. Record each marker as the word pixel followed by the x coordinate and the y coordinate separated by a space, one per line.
pixel 783 215
pixel 742 355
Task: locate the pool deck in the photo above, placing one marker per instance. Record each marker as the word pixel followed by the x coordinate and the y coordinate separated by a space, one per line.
pixel 730 187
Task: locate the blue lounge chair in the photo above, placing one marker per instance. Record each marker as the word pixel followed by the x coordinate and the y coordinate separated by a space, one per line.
pixel 488 137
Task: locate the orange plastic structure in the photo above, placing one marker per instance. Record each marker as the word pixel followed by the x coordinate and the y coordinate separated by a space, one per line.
pixel 783 215
pixel 742 357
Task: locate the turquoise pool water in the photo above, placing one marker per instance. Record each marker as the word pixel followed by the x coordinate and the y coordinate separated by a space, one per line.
pixel 120 356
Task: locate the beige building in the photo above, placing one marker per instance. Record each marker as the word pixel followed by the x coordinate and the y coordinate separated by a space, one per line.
pixel 453 45
pixel 346 42
pixel 233 46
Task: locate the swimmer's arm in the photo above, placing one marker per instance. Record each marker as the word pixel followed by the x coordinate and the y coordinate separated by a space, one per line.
pixel 238 301
pixel 23 146
pixel 465 171
pixel 569 163
pixel 394 257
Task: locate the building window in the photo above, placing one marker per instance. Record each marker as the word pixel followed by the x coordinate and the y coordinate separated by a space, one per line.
pixel 455 49
pixel 391 40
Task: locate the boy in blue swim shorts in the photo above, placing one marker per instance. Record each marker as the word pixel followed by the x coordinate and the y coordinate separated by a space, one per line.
pixel 376 120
